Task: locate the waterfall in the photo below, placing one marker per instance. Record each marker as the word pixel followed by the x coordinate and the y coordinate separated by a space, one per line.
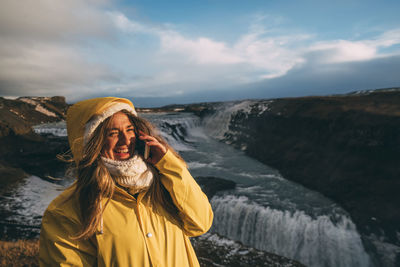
pixel 312 241
pixel 217 124
pixel 175 129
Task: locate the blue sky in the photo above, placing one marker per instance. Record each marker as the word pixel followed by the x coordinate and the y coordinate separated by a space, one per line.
pixel 164 52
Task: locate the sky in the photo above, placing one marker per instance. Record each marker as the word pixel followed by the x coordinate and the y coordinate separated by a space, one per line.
pixel 166 52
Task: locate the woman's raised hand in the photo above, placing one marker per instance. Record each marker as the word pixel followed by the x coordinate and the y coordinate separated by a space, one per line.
pixel 157 150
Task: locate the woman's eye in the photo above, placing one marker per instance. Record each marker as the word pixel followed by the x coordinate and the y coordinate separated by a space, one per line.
pixel 111 134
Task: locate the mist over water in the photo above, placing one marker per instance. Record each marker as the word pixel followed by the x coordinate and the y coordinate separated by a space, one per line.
pixel 265 211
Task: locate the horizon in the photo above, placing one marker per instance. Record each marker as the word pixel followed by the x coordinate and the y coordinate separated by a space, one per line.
pixel 350 93
pixel 182 52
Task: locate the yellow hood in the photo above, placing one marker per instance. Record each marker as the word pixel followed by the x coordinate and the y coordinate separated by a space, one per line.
pixel 79 115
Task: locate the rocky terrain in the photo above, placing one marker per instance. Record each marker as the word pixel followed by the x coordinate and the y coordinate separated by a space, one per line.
pixel 23 151
pixel 18 115
pixel 346 147
pixel 213 250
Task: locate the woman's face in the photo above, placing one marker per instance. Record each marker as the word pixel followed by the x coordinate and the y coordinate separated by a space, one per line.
pixel 120 138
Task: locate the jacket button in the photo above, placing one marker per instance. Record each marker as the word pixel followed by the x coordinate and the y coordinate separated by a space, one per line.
pixel 149 235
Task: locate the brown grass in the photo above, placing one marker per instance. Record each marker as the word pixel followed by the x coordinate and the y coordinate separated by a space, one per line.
pixel 19 253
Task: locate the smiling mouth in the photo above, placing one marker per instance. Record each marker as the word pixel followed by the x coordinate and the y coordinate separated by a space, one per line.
pixel 121 151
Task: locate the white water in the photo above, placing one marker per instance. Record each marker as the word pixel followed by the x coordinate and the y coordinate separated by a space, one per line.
pixel 55 128
pixel 217 124
pixel 24 203
pixel 314 242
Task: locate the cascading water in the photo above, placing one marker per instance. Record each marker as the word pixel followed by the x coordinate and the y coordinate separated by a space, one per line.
pixel 265 211
pixel 315 242
pixel 174 129
pixel 55 128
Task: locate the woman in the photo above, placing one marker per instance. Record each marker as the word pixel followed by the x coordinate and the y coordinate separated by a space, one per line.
pixel 123 210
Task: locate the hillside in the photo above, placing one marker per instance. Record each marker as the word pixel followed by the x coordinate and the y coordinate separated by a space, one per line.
pixel 23 151
pixel 346 147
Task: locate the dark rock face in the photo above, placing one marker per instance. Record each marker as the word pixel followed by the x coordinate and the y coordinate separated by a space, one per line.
pixel 21 149
pixel 9 175
pixel 211 185
pixel 214 251
pixel 346 147
pixel 34 154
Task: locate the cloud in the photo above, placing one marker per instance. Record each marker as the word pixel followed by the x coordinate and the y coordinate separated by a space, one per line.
pixel 255 55
pixel 129 26
pixel 325 79
pixel 264 51
pixel 41 45
pixel 386 39
pixel 337 51
pixel 83 48
pixel 273 63
pixel 53 20
pixel 274 56
pixel 344 51
pixel 44 67
pixel 201 50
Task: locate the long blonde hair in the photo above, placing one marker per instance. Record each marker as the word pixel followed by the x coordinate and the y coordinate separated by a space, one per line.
pixel 95 183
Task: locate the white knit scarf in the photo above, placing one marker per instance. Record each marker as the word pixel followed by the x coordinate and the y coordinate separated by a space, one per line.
pixel 134 174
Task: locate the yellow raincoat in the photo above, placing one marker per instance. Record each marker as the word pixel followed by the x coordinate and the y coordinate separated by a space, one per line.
pixel 134 234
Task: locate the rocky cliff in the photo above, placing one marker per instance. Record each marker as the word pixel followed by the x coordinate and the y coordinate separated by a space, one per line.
pixel 23 151
pixel 347 147
pixel 18 115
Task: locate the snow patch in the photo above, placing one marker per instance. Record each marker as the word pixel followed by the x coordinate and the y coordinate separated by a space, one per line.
pixel 45 111
pixel 11 97
pixel 17 113
pixel 29 101
pixel 264 106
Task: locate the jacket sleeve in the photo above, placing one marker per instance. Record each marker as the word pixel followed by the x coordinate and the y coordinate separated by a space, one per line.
pixel 56 246
pixel 193 204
